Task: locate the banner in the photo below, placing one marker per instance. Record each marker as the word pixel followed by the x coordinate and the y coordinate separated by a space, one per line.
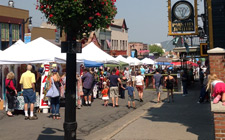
pixel 27 38
pixel 43 102
pixel 132 53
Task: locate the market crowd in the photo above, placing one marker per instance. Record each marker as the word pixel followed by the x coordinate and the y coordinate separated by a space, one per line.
pixel 109 84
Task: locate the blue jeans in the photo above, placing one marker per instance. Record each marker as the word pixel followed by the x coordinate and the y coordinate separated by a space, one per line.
pixel 184 87
pixel 55 104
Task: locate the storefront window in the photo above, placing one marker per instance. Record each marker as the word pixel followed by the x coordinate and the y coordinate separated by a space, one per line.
pixel 9 35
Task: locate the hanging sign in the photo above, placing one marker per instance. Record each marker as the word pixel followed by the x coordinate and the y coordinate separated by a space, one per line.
pixel 183 18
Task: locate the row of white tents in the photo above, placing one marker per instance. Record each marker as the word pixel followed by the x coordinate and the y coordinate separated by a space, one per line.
pixel 43 51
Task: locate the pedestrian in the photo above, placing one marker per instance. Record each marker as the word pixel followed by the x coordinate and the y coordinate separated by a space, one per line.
pixel 127 74
pixel 117 71
pixel 169 80
pixel 204 92
pixel 142 69
pixel 140 85
pixel 217 87
pixel 63 83
pixel 11 93
pixel 131 92
pixel 133 76
pixel 114 91
pixel 123 84
pixel 184 79
pixel 55 84
pixel 105 96
pixel 201 76
pixel 79 92
pixel 27 81
pixel 157 78
pixel 88 80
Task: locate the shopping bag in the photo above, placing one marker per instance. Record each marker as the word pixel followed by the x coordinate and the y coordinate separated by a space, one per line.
pixel 1 104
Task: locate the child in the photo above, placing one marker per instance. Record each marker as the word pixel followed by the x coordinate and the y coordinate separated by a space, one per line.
pixel 105 96
pixel 131 93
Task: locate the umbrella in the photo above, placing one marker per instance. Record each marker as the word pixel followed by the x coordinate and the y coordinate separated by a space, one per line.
pixel 163 63
pixel 187 62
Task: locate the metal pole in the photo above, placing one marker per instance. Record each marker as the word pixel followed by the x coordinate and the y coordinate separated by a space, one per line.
pixel 70 124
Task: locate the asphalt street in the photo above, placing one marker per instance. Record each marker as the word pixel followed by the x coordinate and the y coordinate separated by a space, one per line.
pixel 89 119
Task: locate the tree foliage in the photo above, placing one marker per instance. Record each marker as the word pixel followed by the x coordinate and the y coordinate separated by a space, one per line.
pixel 156 48
pixel 78 16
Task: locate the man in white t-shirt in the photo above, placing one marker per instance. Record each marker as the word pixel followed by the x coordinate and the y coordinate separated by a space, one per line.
pixel 140 85
pixel 127 74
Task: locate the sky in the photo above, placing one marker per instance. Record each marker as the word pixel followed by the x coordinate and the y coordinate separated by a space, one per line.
pixel 147 20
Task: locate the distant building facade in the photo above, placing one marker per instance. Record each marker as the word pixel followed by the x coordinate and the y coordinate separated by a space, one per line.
pixel 138 49
pixel 11 25
pixel 119 37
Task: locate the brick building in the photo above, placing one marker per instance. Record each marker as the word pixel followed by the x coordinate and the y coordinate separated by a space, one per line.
pixel 140 49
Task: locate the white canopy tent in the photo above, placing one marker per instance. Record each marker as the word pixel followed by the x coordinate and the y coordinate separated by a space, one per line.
pixel 37 51
pixel 121 58
pixel 93 53
pixel 43 51
pixel 148 61
pixel 133 61
pixel 14 48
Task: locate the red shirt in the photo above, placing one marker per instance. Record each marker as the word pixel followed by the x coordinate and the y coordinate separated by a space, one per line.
pixel 117 72
pixel 11 85
pixel 105 92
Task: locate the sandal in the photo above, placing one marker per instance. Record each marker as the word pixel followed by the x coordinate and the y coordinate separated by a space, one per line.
pixel 217 99
pixel 58 117
pixel 10 115
pixel 53 117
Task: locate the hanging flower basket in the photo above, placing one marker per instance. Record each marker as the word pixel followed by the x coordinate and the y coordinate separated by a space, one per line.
pixel 78 16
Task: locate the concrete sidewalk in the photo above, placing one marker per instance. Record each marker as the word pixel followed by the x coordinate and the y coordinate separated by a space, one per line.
pixel 183 119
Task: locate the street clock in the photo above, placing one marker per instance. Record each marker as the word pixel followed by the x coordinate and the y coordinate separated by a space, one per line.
pixel 182 10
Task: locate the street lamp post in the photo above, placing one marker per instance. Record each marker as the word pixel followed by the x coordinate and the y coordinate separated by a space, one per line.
pixel 70 125
pixel 11 3
pixel 30 27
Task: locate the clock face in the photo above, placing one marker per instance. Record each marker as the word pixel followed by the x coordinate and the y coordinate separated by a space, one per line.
pixel 182 10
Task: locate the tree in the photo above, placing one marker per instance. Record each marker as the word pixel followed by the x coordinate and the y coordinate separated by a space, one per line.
pixel 78 16
pixel 156 48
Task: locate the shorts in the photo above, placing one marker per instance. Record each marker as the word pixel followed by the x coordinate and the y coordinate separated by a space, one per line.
pixel 105 98
pixel 139 88
pixel 133 78
pixel 86 92
pixel 29 96
pixel 158 89
pixel 218 89
pixel 130 98
pixel 114 92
